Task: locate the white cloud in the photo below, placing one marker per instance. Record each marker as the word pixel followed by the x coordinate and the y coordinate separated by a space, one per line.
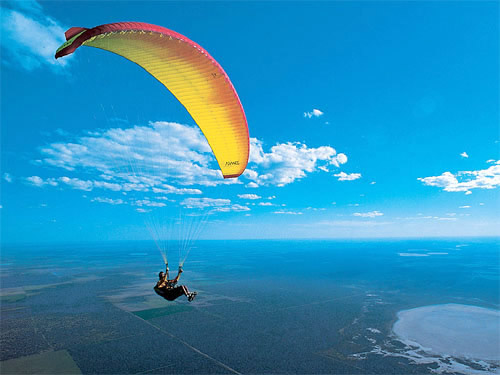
pixel 152 159
pixel 142 156
pixel 342 176
pixel 368 214
pixel 287 162
pixel 316 209
pixel 464 207
pixel 450 217
pixel 413 255
pixel 148 203
pixel 88 185
pixel 352 223
pixel 215 205
pixel 342 158
pixel 234 207
pixel 249 196
pixel 313 113
pixel 29 37
pixel 108 185
pixel 490 161
pixel 266 204
pixel 464 155
pixel 39 182
pixel 372 183
pixel 76 183
pixel 8 177
pixel 466 180
pixel 205 202
pixel 169 189
pixel 107 200
pixel 283 212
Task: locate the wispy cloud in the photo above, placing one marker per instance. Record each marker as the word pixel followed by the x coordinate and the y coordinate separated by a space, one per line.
pixel 30 37
pixel 313 113
pixel 370 214
pixel 413 255
pixel 284 212
pixel 249 196
pixel 76 183
pixel 449 217
pixel 205 202
pixel 107 200
pixel 148 203
pixel 351 223
pixel 8 177
pixel 466 180
pixel 234 208
pixel 169 189
pixel 464 155
pixel 342 176
pixel 89 185
pixel 215 204
pixel 39 182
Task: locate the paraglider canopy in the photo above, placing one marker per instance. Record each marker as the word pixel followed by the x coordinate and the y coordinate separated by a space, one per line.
pixel 188 72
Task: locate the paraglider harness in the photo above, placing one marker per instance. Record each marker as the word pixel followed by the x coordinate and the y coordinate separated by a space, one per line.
pixel 169 290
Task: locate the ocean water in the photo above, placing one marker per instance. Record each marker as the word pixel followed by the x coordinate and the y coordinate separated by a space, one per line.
pixel 306 306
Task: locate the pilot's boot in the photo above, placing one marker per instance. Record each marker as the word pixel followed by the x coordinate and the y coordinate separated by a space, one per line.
pixel 191 296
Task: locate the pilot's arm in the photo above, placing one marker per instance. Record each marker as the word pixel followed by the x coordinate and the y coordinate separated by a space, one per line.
pixel 178 275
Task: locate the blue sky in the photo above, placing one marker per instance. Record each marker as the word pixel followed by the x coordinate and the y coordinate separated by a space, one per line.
pixel 367 119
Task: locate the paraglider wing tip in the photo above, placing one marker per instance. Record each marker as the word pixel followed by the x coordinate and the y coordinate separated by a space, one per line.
pixel 70 46
pixel 70 33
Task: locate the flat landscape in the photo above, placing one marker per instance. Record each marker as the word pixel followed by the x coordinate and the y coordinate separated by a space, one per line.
pixel 262 307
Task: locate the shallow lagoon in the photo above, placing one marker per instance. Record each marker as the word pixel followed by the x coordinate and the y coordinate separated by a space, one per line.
pixel 263 306
pixel 452 330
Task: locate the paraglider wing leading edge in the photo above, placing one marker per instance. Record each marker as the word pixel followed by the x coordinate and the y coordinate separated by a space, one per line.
pixel 188 72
